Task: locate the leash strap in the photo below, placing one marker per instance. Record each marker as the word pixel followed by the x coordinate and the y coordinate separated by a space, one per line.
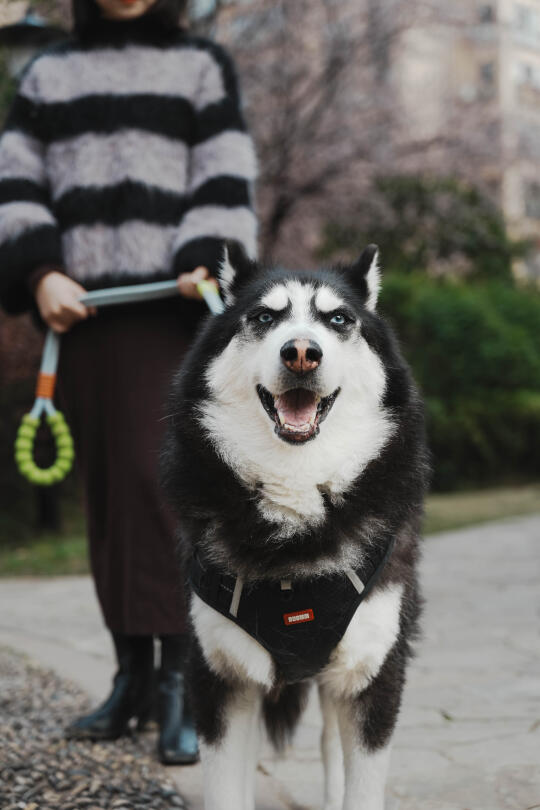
pixel 43 404
pixel 134 293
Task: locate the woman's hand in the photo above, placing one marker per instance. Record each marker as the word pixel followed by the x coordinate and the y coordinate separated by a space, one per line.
pixel 187 282
pixel 57 297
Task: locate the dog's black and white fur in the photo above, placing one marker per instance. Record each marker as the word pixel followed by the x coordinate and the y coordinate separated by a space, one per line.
pixel 297 444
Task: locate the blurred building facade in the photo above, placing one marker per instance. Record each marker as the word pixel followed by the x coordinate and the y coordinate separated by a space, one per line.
pixel 460 81
pixel 479 73
pixel 518 58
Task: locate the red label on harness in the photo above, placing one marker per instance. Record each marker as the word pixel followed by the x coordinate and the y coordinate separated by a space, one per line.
pixel 298 617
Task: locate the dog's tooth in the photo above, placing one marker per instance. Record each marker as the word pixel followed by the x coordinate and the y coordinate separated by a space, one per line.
pixel 298 428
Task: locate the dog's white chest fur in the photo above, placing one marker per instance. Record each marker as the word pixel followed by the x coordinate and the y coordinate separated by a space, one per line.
pixel 357 659
pixel 228 649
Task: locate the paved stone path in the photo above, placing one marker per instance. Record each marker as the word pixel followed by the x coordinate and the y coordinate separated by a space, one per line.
pixel 469 734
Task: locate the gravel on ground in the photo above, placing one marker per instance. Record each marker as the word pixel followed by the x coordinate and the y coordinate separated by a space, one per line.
pixel 40 770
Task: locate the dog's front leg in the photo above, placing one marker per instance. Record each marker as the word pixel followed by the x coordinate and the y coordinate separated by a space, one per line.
pixel 331 751
pixel 229 762
pixel 253 744
pixel 366 768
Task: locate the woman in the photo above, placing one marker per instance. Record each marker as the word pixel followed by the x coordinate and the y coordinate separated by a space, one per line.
pixel 125 160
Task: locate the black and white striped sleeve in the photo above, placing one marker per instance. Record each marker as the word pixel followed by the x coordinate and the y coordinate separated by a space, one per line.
pixel 222 171
pixel 29 234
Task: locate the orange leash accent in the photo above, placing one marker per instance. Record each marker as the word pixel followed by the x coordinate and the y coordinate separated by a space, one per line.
pixel 45 385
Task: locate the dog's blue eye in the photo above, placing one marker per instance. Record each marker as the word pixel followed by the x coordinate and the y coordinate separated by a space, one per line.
pixel 338 320
pixel 265 317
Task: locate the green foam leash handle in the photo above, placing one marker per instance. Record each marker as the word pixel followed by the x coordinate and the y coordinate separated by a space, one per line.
pixel 24 450
pixel 65 453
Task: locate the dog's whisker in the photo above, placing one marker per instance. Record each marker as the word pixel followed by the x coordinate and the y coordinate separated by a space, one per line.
pixel 169 416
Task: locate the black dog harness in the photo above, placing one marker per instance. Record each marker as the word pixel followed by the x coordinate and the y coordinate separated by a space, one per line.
pixel 299 621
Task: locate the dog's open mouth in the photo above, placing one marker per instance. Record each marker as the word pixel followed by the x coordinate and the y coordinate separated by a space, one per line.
pixel 297 413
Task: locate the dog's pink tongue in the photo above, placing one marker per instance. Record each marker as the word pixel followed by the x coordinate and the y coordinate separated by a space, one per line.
pixel 296 407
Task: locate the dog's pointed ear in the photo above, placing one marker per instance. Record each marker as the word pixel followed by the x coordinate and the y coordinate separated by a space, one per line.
pixel 234 267
pixel 366 274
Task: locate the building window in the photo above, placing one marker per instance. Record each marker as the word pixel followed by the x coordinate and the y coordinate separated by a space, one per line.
pixel 486 13
pixel 487 73
pixel 526 20
pixel 532 200
pixel 523 17
pixel 527 74
pixel 487 79
pixel 529 141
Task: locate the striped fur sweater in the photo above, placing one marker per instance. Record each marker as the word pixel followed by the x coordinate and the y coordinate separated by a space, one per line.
pixel 125 159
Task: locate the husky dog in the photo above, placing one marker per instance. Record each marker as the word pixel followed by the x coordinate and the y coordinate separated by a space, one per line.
pixel 296 459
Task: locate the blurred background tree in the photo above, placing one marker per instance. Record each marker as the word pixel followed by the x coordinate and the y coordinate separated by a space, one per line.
pixel 434 223
pixel 411 123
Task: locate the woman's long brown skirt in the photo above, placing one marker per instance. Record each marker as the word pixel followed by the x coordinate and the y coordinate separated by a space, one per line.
pixel 114 375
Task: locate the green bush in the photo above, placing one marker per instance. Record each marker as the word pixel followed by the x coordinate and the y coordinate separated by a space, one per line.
pixel 475 352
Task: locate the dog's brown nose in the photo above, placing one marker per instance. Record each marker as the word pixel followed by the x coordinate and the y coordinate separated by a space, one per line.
pixel 301 356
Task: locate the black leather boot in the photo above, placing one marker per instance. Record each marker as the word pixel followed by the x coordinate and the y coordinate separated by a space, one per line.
pixel 177 743
pixel 132 695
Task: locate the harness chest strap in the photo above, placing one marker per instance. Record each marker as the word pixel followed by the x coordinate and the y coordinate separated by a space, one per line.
pixel 315 612
pixel 286 585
